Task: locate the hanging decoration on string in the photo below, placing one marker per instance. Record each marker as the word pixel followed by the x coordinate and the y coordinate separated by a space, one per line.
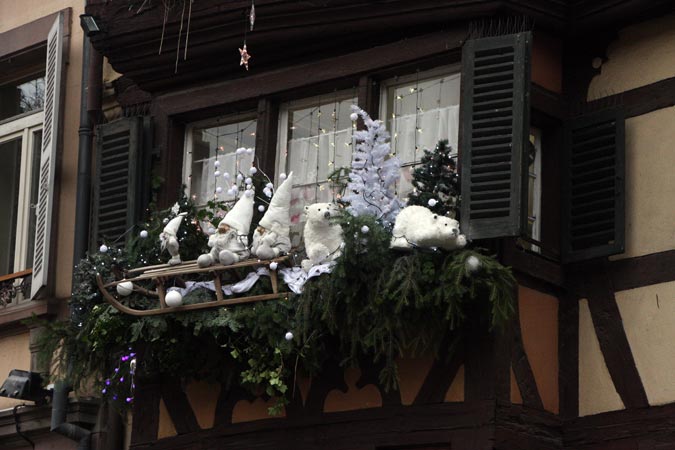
pixel 251 16
pixel 250 22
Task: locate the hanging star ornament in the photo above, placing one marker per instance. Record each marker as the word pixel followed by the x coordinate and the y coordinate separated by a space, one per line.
pixel 244 57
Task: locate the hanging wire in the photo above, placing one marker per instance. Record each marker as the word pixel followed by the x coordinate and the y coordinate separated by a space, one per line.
pixel 336 114
pixel 215 178
pixel 417 113
pixel 318 149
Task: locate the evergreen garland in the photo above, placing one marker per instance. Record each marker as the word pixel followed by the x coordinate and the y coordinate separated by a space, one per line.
pixel 376 305
pixel 436 179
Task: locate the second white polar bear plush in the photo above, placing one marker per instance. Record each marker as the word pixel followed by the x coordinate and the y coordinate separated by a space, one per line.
pixel 417 226
pixel 323 237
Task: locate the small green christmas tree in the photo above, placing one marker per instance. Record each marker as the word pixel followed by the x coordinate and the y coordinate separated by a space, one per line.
pixel 436 182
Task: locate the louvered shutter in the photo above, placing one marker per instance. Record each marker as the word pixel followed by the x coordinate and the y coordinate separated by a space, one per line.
pixel 50 140
pixel 116 186
pixel 593 186
pixel 495 115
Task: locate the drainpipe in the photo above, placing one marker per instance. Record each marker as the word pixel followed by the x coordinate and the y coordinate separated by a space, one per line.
pixel 59 422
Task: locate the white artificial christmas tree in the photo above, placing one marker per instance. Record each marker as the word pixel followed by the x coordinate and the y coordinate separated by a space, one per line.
pixel 372 180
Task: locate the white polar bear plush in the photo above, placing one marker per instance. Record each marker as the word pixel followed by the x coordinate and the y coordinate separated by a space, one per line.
pixel 417 226
pixel 323 239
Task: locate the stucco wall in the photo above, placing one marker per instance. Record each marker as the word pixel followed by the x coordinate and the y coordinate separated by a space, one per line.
pixel 647 315
pixel 650 184
pixel 597 393
pixel 12 15
pixel 539 327
pixel 14 354
pixel 642 54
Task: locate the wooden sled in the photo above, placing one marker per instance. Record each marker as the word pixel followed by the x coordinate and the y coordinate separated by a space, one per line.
pixel 160 274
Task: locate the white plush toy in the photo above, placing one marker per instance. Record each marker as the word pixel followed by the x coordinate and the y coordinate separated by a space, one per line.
pixel 323 239
pixel 168 238
pixel 417 226
pixel 272 236
pixel 229 244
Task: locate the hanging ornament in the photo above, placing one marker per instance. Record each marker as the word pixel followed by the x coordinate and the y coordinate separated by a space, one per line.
pixel 125 288
pixel 251 15
pixel 273 265
pixel 173 298
pixel 249 151
pixel 144 234
pixel 261 208
pixel 472 264
pixel 243 52
pixel 216 164
pixel 432 202
pixel 253 170
pixel 103 248
pixel 288 336
pixel 282 176
pixel 365 229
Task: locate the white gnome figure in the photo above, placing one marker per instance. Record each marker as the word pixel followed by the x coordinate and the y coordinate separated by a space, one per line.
pixel 272 236
pixel 229 244
pixel 169 238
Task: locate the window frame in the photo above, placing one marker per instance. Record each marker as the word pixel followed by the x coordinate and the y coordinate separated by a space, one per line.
pixel 417 76
pixel 23 126
pixel 226 119
pixel 281 163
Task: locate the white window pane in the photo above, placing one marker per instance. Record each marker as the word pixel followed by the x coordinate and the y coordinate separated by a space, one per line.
pixel 10 170
pixel 219 143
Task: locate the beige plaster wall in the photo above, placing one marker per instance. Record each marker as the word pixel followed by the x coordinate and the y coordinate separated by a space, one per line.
pixel 597 393
pixel 14 354
pixel 642 54
pixel 539 328
pixel 13 14
pixel 647 315
pixel 650 184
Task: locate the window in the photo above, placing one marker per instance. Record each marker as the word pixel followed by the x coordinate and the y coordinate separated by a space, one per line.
pixel 218 141
pixel 23 96
pixel 420 109
pixel 20 142
pixel 315 139
pixel 534 189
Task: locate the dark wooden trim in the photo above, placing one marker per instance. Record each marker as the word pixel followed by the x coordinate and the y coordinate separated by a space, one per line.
pixel 479 368
pixel 370 374
pixel 611 335
pixel 295 77
pixel 548 102
pixel 531 263
pixel 331 377
pixel 631 273
pixel 649 428
pixel 178 406
pixel 519 427
pixel 226 401
pixel 145 412
pixel 521 366
pixel 369 96
pixel 31 35
pixel 568 355
pixel 465 426
pixel 440 377
pixel 266 135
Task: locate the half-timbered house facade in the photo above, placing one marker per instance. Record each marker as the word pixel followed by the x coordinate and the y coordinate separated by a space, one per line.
pixel 562 114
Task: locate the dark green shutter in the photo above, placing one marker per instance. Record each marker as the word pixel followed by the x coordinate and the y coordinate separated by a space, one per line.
pixel 495 115
pixel 593 186
pixel 120 178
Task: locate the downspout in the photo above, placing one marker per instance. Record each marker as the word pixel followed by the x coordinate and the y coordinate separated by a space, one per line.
pixel 59 422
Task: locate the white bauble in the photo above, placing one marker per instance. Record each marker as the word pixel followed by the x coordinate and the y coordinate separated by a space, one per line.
pixel 217 163
pixel 249 193
pixel 253 170
pixel 288 336
pixel 165 221
pixel 240 177
pixel 432 202
pixel 103 248
pixel 240 150
pixel 261 208
pixel 273 265
pixel 173 298
pixel 125 288
pixel 226 175
pixel 249 151
pixel 216 173
pixel 269 186
pixel 354 117
pixel 248 180
pixel 219 190
pixel 472 264
pixel 143 234
pixel 282 176
pixel 231 192
pixel 365 229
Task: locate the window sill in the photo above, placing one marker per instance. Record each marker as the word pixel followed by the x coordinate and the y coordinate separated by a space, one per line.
pixel 532 264
pixel 12 314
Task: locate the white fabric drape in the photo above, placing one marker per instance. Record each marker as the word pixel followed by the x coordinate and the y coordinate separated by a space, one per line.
pixel 435 124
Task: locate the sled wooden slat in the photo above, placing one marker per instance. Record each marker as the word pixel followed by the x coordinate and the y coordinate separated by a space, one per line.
pixel 161 274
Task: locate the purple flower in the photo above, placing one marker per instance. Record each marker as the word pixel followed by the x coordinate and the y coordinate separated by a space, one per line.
pixel 121 379
pixel 129 399
pixel 117 369
pixel 104 390
pixel 107 382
